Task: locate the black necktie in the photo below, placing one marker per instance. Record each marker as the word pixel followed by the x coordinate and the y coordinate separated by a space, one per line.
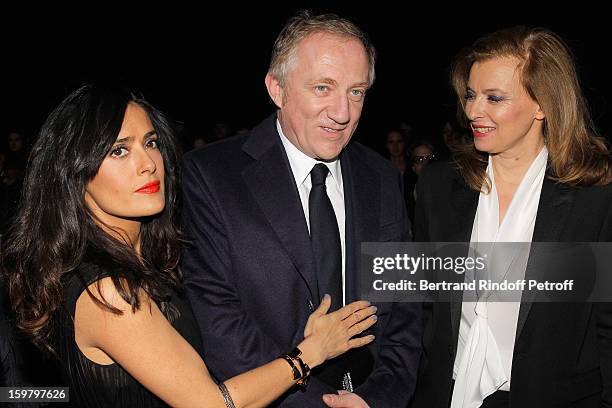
pixel 325 237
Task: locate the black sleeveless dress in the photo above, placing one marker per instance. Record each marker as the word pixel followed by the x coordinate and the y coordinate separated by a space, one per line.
pixel 97 385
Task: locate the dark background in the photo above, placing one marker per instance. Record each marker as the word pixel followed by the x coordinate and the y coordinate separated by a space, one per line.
pixel 206 65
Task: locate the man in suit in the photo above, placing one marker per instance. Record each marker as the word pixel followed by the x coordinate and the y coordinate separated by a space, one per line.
pixel 276 218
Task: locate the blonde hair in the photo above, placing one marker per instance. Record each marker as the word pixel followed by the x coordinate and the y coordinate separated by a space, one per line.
pixel 303 25
pixel 577 156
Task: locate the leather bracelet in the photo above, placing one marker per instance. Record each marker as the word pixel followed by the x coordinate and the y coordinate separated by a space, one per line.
pixel 294 369
pixel 295 355
pixel 227 398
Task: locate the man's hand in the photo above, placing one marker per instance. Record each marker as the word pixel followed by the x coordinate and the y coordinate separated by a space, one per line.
pixel 344 399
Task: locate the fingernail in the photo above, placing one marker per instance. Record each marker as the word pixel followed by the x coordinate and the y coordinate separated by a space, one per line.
pixel 375 309
pixel 372 337
pixel 374 317
pixel 326 296
pixel 368 303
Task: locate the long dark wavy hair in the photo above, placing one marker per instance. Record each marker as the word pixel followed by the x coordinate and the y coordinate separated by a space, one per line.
pixel 54 231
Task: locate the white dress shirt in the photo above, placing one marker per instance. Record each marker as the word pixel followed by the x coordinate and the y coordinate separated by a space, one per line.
pixel 301 165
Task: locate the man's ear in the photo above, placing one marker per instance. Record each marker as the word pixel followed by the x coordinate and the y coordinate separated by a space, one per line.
pixel 275 90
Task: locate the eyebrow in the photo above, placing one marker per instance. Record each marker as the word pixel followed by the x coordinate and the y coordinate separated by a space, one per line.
pixel 489 90
pixel 325 81
pixel 131 138
pixel 495 90
pixel 334 82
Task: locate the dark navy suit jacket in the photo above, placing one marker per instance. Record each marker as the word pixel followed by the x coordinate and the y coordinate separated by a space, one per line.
pixel 250 272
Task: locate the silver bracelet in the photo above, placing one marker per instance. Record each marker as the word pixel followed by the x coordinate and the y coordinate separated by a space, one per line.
pixel 227 398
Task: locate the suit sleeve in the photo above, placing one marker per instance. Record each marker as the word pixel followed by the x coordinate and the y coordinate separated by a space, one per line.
pixel 393 380
pixel 233 341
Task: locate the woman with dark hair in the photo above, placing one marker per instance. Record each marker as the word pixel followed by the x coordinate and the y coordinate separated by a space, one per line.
pixel 421 153
pixel 91 265
pixel 534 170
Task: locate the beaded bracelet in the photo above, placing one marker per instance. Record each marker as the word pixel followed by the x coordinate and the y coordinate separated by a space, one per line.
pixel 227 398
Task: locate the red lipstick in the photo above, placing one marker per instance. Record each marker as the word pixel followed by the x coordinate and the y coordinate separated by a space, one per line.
pixel 149 188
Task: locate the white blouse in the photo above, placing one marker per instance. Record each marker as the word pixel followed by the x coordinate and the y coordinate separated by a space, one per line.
pixel 487 329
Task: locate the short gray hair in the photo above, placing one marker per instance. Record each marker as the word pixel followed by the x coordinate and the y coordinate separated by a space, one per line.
pixel 305 24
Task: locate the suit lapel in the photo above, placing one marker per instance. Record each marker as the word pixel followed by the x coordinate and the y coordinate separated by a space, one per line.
pixel 555 204
pixel 271 183
pixel 362 212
